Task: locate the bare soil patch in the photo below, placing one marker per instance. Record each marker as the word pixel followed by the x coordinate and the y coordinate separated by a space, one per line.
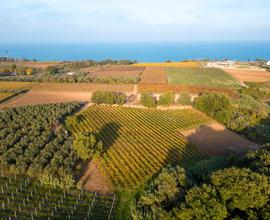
pixel 44 97
pixel 44 93
pixel 93 180
pixel 84 87
pixel 216 140
pixel 249 75
pixel 154 74
pixel 115 71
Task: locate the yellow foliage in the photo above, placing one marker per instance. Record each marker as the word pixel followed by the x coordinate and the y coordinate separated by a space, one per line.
pixel 15 85
pixel 171 64
pixel 29 71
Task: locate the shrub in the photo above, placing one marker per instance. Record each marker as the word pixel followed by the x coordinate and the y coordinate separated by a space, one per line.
pixel 202 203
pixel 110 98
pixel 254 92
pixel 259 161
pixel 246 112
pixel 215 105
pixel 166 99
pixel 259 133
pixel 241 188
pixel 162 194
pixel 184 98
pixel 201 170
pixel 119 98
pixel 85 144
pixel 148 100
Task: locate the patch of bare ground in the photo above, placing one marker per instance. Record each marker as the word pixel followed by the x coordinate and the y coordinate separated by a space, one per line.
pixel 44 97
pixel 93 180
pixel 216 140
pixel 83 87
pixel 249 75
pixel 114 71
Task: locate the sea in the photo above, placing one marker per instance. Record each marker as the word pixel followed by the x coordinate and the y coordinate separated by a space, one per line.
pixel 142 52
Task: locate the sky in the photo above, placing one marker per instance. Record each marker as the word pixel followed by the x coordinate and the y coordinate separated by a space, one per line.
pixel 134 21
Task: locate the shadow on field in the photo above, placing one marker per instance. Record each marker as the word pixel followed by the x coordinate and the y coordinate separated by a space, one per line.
pixel 108 134
pixel 216 140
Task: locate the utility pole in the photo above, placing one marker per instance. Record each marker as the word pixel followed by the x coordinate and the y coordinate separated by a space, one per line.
pixel 7 55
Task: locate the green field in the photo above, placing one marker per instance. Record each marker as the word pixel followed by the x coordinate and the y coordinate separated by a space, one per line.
pixel 22 198
pixel 139 142
pixel 201 77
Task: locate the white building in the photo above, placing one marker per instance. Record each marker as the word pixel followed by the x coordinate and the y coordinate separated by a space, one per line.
pixel 268 63
pixel 220 64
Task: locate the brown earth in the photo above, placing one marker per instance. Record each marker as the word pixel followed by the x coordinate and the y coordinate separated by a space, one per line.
pixel 115 71
pixel 44 93
pixel 154 74
pixel 44 97
pixel 249 75
pixel 216 140
pixel 83 87
pixel 93 180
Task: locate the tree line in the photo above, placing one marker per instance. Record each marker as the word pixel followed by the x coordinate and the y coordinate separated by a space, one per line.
pixel 232 187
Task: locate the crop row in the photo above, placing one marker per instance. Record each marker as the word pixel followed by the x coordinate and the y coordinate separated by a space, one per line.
pixel 139 141
pixel 22 198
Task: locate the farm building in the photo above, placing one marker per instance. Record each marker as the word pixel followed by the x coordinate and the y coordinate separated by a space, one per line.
pixel 218 64
pixel 268 63
pixel 70 73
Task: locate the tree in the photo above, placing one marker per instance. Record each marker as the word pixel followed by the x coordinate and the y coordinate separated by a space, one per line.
pixel 52 70
pixel 259 161
pixel 184 98
pixel 201 203
pixel 6 71
pixel 13 67
pixel 148 100
pixel 241 188
pixel 166 99
pixel 167 189
pixel 29 71
pixel 85 144
pixel 119 98
pixel 215 105
pixel 110 98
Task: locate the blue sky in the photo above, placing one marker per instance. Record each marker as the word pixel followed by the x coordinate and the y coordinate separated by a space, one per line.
pixel 136 20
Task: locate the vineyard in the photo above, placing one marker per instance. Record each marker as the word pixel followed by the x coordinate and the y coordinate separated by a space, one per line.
pixel 161 88
pixel 171 64
pixel 22 198
pixel 154 74
pixel 202 77
pixel 139 141
pixel 32 142
pixel 15 85
pixel 115 71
